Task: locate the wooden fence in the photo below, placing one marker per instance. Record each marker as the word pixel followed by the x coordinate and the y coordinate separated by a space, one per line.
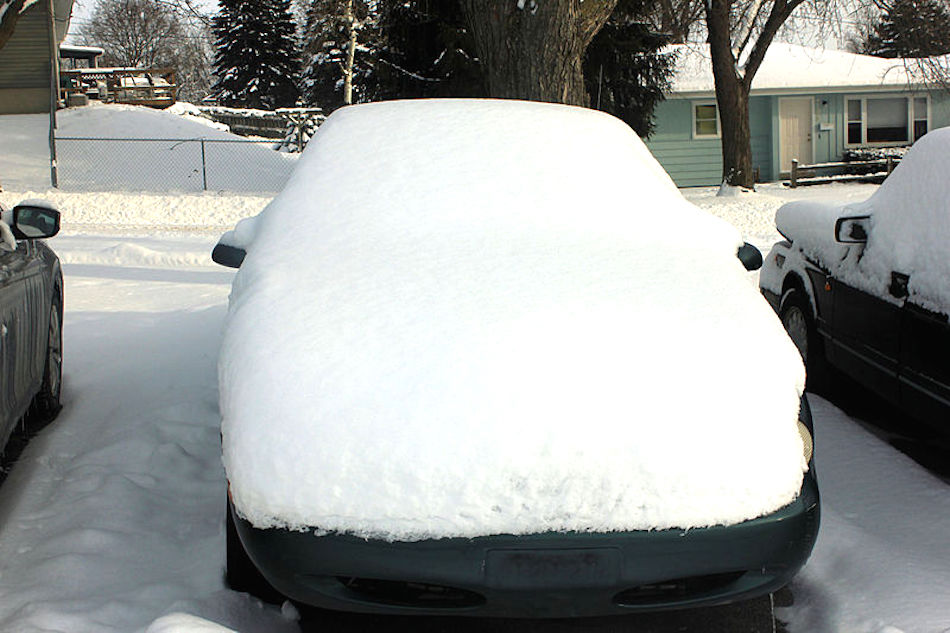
pixel 845 171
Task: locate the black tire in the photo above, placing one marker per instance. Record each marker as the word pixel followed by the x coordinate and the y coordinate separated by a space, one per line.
pixel 240 573
pixel 46 404
pixel 798 320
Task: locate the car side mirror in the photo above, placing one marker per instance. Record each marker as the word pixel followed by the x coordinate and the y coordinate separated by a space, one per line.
pixel 227 255
pixel 853 230
pixel 750 256
pixel 32 222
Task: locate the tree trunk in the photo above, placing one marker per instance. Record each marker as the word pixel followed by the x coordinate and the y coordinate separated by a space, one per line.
pixel 9 20
pixel 350 54
pixel 732 97
pixel 535 52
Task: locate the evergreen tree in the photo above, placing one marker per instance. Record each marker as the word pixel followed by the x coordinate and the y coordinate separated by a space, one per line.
pixel 427 51
pixel 624 71
pixel 257 60
pixel 911 28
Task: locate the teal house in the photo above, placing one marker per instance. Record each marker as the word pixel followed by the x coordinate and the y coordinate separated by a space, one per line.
pixel 805 104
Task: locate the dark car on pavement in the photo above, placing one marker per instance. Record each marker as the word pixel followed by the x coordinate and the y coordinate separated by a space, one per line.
pixel 31 316
pixel 864 289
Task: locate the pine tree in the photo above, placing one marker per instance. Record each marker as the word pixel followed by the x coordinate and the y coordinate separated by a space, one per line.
pixel 257 60
pixel 624 70
pixel 427 51
pixel 911 28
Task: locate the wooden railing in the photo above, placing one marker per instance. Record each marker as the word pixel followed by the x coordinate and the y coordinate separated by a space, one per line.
pixel 154 87
pixel 844 171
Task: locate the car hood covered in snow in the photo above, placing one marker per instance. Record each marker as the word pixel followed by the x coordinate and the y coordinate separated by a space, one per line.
pixel 465 318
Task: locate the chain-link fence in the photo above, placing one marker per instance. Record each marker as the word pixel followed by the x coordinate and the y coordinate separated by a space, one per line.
pixel 160 165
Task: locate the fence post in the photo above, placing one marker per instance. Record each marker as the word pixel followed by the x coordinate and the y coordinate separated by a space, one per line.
pixel 794 175
pixel 204 169
pixel 890 165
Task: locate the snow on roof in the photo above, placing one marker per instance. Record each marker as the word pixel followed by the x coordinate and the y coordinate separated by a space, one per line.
pixel 467 317
pixel 789 66
pixel 69 50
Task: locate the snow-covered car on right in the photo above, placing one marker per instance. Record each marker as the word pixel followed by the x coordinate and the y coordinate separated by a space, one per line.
pixel 865 288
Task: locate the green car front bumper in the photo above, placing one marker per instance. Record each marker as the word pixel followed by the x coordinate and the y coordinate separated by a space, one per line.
pixel 541 575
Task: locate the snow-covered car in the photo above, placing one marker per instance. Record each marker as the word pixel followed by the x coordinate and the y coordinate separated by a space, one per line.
pixel 482 358
pixel 31 316
pixel 865 287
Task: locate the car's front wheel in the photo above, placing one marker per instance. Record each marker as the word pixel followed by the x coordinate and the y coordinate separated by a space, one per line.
pixel 797 318
pixel 47 403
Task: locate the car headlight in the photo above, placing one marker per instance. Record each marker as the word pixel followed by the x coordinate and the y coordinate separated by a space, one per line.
pixel 808 445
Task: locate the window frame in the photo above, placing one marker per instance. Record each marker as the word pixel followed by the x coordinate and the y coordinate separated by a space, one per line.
pixel 705 102
pixel 912 117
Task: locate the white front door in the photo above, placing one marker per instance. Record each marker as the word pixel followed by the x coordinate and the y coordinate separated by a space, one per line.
pixel 795 131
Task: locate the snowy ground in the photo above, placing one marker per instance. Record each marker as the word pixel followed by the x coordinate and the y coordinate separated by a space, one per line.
pixel 112 520
pixel 113 516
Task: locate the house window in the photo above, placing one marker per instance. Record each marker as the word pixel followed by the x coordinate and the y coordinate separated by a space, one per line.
pixel 705 120
pixel 855 126
pixel 920 117
pixel 886 120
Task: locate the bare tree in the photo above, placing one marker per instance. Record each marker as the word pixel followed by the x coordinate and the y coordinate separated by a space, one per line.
pixel 740 32
pixel 534 49
pixel 9 14
pixel 676 18
pixel 149 34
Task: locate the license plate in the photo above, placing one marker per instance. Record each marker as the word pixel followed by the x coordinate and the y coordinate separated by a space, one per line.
pixel 555 568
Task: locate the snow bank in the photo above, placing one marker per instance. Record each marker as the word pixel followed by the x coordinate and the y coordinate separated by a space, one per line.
pixel 126 212
pixel 476 317
pixel 163 153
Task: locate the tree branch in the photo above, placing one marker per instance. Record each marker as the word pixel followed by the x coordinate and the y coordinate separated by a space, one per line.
pixel 780 12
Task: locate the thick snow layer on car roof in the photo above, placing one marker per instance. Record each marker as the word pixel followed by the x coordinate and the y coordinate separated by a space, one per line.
pixel 464 318
pixel 910 223
pixel 909 233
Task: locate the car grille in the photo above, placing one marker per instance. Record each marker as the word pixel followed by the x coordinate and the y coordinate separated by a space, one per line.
pixel 676 589
pixel 411 594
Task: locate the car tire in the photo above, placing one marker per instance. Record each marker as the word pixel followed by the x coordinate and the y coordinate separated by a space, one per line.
pixel 46 404
pixel 240 573
pixel 798 320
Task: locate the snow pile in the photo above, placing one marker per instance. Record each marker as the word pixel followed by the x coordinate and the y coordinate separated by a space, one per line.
pixel 909 229
pixel 126 212
pixel 164 153
pixel 191 112
pixel 516 325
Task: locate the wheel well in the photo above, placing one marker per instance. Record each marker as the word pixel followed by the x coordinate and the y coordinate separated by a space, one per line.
pixel 795 282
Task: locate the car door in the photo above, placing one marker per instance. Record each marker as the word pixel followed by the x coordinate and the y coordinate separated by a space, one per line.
pixel 23 323
pixel 865 338
pixel 924 369
pixel 9 297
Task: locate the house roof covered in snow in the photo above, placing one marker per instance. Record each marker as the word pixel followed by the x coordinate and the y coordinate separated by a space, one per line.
pixel 793 68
